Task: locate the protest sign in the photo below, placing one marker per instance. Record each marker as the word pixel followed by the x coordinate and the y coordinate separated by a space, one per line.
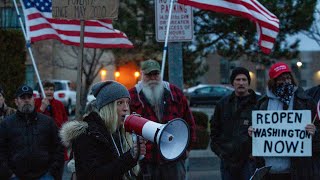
pixel 281 133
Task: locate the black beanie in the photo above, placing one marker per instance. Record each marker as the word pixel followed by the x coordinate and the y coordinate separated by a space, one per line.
pixel 239 70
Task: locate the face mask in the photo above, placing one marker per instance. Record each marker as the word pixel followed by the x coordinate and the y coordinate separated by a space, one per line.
pixel 285 92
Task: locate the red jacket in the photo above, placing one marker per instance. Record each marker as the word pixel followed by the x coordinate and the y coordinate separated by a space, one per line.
pixel 176 106
pixel 58 113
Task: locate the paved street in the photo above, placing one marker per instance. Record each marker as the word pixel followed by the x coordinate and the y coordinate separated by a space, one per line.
pixel 203 165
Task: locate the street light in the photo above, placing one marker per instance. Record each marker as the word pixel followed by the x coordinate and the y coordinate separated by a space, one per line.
pixel 103 74
pixel 299 64
pixel 136 74
pixel 117 75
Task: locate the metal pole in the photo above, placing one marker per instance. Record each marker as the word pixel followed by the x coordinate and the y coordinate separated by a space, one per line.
pixel 175 64
pixel 28 44
pixel 79 76
pixel 165 48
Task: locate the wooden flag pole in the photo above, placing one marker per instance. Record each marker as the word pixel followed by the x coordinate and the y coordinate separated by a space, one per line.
pixel 79 76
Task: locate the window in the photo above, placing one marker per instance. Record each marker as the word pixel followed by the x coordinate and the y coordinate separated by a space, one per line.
pixel 59 86
pixel 9 18
pixel 204 90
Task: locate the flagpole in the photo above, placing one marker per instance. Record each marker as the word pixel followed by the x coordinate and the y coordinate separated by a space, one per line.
pixel 79 75
pixel 165 48
pixel 28 44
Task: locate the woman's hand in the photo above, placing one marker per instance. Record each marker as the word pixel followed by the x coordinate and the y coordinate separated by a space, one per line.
pixel 139 148
pixel 311 129
pixel 250 130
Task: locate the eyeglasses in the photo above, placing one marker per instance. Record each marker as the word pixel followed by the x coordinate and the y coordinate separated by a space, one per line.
pixel 155 73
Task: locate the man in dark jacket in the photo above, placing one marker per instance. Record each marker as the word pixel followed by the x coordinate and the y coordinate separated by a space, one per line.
pixel 229 135
pixel 29 143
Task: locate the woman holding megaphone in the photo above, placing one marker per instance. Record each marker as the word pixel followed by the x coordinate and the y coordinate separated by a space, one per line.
pixel 101 147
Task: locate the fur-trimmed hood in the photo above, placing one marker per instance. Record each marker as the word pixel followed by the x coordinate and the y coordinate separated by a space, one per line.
pixel 71 130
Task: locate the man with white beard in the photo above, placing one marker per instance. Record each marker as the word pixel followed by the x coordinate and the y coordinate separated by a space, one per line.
pixel 30 147
pixel 160 101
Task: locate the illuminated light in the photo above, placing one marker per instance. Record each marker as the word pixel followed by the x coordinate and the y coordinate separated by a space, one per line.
pixel 117 74
pixel 252 75
pixel 299 64
pixel 318 74
pixel 103 72
pixel 136 74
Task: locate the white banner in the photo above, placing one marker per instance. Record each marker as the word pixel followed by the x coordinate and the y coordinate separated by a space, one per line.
pixel 281 133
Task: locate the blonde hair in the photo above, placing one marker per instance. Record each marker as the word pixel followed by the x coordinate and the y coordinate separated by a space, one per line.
pixel 109 115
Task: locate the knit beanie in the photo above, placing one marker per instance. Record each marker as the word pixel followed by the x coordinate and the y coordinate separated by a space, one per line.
pixel 239 70
pixel 107 92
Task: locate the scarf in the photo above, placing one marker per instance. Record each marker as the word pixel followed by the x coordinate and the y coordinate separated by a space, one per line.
pixel 285 92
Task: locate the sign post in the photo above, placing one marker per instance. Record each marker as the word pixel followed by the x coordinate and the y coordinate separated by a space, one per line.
pixel 174 24
pixel 83 10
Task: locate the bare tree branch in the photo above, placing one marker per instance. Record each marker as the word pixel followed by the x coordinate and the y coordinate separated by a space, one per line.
pixel 314 31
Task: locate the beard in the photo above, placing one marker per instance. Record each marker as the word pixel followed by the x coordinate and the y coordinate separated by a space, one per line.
pixel 153 91
pixel 26 108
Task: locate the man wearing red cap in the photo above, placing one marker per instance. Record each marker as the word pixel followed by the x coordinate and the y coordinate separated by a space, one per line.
pixel 283 93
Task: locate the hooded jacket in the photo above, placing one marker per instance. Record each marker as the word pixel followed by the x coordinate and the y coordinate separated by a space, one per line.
pixel 301 167
pixel 95 152
pixel 57 111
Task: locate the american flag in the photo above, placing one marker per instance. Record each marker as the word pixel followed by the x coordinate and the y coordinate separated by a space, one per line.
pixel 41 26
pixel 266 22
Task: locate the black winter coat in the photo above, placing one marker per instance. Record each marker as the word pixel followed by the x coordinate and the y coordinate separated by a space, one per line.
pixel 302 168
pixel 30 147
pixel 95 155
pixel 229 128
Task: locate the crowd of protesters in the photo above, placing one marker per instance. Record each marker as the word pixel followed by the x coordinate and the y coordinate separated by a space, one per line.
pixel 35 137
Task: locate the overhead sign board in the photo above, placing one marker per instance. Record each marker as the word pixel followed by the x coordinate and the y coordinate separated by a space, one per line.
pixel 181 26
pixel 85 9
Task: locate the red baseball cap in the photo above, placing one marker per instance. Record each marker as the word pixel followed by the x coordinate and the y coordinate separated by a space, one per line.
pixel 277 69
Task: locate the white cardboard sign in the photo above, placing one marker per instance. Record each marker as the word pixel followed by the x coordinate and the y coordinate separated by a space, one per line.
pixel 281 133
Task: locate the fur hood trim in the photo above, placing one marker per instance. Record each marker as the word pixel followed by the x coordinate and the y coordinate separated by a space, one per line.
pixel 72 130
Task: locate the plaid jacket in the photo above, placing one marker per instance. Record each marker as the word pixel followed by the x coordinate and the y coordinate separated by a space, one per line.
pixel 175 106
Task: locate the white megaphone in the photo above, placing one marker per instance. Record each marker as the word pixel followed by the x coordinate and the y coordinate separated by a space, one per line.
pixel 172 138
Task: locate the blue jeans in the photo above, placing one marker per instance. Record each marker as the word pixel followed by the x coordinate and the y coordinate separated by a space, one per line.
pixel 47 176
pixel 246 171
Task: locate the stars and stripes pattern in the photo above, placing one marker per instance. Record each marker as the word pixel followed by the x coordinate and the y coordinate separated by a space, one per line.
pixel 266 22
pixel 41 26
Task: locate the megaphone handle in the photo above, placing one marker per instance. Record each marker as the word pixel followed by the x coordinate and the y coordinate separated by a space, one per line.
pixel 135 139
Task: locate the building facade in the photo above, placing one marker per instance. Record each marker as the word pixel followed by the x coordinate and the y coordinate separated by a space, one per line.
pixel 306 70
